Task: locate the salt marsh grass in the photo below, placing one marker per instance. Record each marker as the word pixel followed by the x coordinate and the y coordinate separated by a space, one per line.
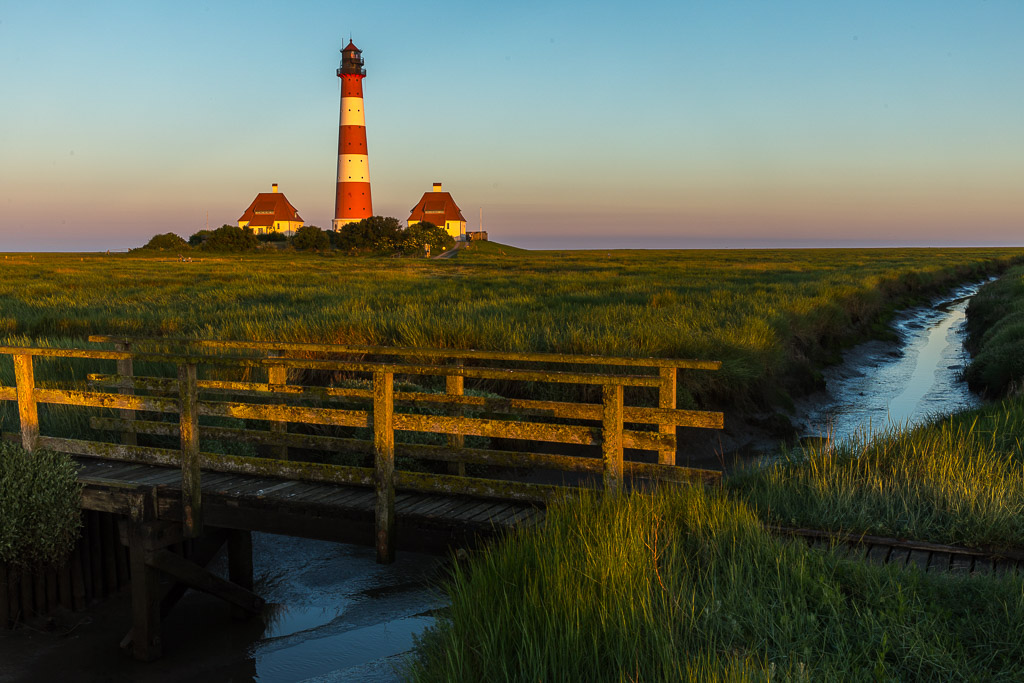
pixel 769 315
pixel 687 585
pixel 959 480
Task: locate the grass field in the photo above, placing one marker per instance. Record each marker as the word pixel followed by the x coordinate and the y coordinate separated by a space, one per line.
pixel 770 316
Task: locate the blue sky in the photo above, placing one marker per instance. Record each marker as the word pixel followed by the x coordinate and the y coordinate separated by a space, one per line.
pixel 594 124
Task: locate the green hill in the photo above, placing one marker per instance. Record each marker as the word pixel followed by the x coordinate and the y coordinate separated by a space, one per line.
pixel 483 248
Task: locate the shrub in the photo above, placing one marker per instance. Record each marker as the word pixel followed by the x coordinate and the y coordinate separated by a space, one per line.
pixel 39 506
pixel 274 236
pixel 167 242
pixel 377 233
pixel 311 237
pixel 230 238
pixel 419 234
pixel 198 238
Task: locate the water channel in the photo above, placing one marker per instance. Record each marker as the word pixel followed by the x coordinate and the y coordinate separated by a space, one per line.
pixel 339 616
pixel 881 384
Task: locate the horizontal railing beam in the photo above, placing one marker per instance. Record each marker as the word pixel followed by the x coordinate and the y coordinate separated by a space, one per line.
pixel 97 399
pixel 508 374
pixel 477 456
pixel 535 357
pixel 215 462
pixel 557 409
pixel 281 413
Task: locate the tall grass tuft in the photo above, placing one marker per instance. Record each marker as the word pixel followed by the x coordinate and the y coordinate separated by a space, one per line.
pixel 39 507
pixel 959 480
pixel 686 585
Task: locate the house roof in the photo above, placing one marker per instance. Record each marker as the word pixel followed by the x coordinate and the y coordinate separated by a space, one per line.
pixel 268 208
pixel 436 208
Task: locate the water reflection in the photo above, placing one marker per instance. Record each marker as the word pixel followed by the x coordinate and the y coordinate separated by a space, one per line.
pixel 337 615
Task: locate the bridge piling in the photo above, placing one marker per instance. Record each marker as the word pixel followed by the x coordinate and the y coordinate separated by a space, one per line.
pixel 384 464
pixel 191 491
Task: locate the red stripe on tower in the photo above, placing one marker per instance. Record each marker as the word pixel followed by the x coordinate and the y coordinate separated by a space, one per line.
pixel 352 202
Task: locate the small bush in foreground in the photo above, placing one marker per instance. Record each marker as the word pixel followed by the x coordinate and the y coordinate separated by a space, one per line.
pixel 39 506
pixel 686 585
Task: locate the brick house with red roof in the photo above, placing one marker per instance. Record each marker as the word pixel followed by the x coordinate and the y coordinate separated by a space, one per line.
pixel 439 208
pixel 271 212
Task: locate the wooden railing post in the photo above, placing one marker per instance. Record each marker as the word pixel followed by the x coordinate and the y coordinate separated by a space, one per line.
pixel 28 412
pixel 384 464
pixel 277 376
pixel 191 491
pixel 667 399
pixel 125 369
pixel 611 437
pixel 453 385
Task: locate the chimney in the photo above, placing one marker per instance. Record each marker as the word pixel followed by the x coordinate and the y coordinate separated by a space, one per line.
pixel 273 188
pixel 437 187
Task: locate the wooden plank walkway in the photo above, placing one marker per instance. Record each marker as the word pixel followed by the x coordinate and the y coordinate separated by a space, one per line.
pixel 931 557
pixel 325 511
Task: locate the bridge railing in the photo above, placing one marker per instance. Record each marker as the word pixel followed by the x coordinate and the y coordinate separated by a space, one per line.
pixel 212 379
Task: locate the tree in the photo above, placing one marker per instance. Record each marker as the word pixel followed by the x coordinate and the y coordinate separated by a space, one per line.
pixel 419 234
pixel 198 238
pixel 311 237
pixel 167 242
pixel 230 238
pixel 377 233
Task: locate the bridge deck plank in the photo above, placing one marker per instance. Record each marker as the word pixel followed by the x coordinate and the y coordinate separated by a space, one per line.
pixel 317 509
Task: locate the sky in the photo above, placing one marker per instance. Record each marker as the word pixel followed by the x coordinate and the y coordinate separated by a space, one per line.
pixel 693 123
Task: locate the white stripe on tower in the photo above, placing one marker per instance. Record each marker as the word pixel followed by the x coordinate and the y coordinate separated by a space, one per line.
pixel 353 168
pixel 352 111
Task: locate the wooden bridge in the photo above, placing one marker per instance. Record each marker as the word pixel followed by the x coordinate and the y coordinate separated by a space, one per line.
pixel 322 460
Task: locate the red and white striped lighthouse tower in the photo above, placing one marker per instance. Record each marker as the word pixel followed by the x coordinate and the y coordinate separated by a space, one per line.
pixel 352 203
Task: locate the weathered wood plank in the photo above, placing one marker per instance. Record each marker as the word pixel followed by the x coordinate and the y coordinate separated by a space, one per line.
pixel 919 559
pixel 28 414
pixel 200 579
pixel 125 368
pixel 191 476
pixel 96 399
pixel 478 487
pixel 939 562
pixel 454 385
pixel 612 439
pixel 277 378
pixel 494 511
pixel 899 556
pixel 146 645
pixel 982 565
pixel 574 359
pixel 960 563
pixel 667 401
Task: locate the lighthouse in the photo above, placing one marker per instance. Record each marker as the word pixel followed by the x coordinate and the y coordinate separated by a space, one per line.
pixel 352 202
